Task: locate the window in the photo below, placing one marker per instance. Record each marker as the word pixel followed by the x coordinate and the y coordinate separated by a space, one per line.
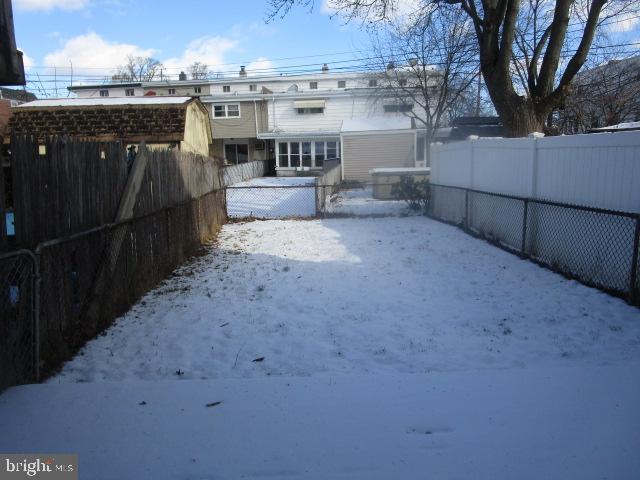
pixel 332 150
pixel 319 154
pixel 225 111
pixel 226 88
pixel 398 108
pixel 283 157
pixel 104 93
pixel 373 83
pixel 236 152
pixel 253 88
pixel 233 110
pixel 342 84
pixel 313 85
pixel 129 92
pixel 305 111
pixel 294 156
pixel 306 154
pixel 420 149
pixel 172 91
pixel 197 89
pixel 402 82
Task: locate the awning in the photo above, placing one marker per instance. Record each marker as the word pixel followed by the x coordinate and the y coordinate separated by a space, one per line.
pixel 308 104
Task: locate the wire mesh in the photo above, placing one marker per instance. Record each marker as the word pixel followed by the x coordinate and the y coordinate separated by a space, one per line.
pixel 598 247
pixel 272 201
pixel 17 319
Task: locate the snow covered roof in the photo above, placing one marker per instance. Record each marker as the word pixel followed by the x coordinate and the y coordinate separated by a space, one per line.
pixel 105 101
pixel 619 126
pixel 372 124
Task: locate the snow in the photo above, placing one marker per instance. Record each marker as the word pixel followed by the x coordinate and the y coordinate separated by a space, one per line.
pixel 104 101
pixel 360 202
pixel 620 126
pixel 401 171
pixel 357 296
pixel 394 347
pixel 281 202
pixel 566 423
pixel 371 124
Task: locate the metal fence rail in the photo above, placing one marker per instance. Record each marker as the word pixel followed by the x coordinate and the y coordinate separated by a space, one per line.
pixel 596 246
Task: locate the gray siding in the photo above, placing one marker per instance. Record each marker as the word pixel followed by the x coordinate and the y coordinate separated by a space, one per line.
pixel 361 153
pixel 242 127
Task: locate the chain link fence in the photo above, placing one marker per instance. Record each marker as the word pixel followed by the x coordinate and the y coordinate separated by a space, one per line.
pixel 18 323
pixel 596 246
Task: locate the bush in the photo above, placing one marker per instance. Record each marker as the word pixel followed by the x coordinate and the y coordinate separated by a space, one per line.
pixel 415 193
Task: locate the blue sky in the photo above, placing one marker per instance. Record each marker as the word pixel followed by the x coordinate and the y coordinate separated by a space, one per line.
pixel 97 35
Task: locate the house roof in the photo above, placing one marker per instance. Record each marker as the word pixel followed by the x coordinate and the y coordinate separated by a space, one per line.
pixel 153 119
pixel 15 94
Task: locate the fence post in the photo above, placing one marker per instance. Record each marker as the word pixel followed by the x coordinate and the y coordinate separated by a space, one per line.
pixel 466 209
pixel 633 276
pixel 525 214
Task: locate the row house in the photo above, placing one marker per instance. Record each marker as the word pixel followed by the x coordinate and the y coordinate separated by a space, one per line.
pixel 293 120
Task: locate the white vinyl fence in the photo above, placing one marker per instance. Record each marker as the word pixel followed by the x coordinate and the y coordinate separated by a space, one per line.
pixel 596 170
pixel 571 203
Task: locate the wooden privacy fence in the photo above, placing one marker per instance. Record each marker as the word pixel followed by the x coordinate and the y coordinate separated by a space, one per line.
pixel 97 268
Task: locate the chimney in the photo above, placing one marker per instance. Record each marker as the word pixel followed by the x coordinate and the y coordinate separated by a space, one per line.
pixel 182 77
pixel 243 72
pixel 325 68
pixel 391 66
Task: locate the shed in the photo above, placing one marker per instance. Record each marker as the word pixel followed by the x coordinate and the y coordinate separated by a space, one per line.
pixel 161 122
pixel 376 142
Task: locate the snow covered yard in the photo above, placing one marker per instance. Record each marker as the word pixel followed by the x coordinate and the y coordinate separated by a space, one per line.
pixel 357 296
pixel 368 348
pixel 279 202
pixel 360 202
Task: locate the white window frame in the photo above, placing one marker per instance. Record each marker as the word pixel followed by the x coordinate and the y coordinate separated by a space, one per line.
pixel 226 89
pixel 197 89
pixel 129 92
pixel 104 93
pixel 253 87
pixel 226 111
pixel 172 91
pixel 313 85
pixel 342 84
pixel 313 142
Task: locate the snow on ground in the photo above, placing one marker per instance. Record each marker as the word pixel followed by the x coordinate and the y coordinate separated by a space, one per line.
pixel 564 423
pixel 360 202
pixel 297 201
pixel 368 348
pixel 357 296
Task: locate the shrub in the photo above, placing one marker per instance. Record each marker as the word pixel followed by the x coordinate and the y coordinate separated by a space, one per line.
pixel 415 193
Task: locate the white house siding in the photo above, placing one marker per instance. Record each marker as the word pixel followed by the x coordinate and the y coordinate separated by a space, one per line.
pixel 283 117
pixel 362 152
pixel 113 92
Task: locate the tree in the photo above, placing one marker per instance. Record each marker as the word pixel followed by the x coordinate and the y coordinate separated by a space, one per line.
pixel 139 69
pixel 198 71
pixel 427 68
pixel 528 53
pixel 606 94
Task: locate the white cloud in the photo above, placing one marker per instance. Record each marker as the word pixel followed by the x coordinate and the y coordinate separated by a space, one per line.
pixel 27 61
pixel 47 5
pixel 261 66
pixel 91 52
pixel 208 50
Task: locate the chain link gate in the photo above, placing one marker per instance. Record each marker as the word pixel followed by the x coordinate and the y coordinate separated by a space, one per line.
pixel 18 318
